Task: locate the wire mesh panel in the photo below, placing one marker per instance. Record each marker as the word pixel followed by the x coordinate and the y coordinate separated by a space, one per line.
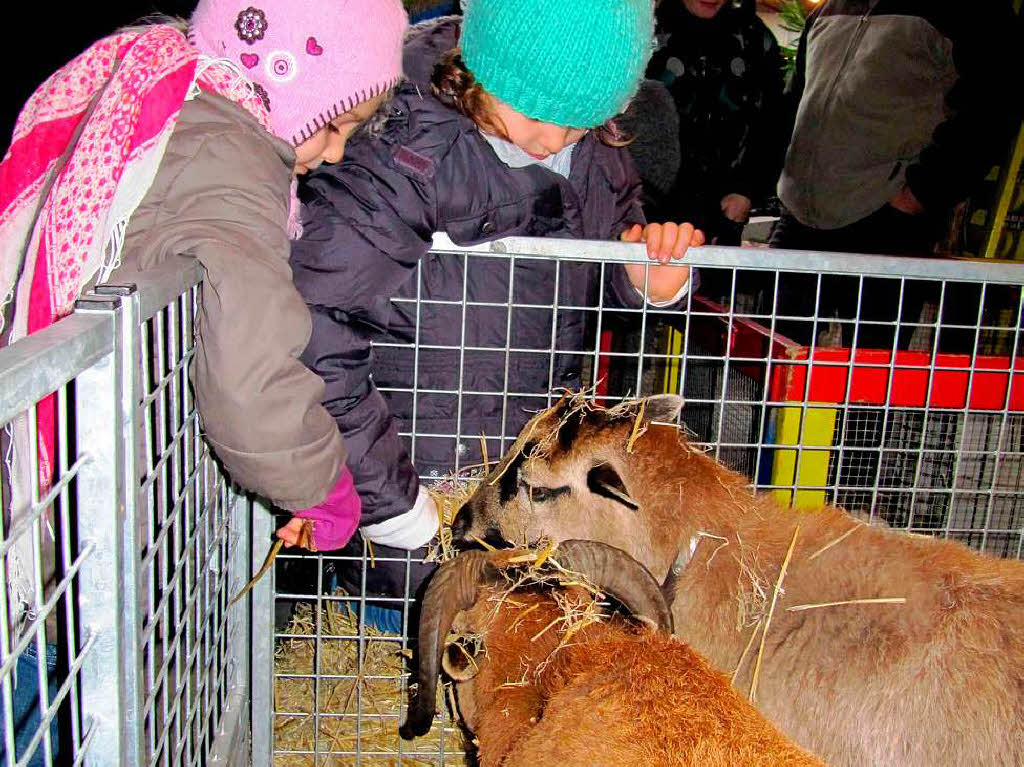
pixel 342 642
pixel 44 641
pixel 894 387
pixel 185 564
pixel 121 543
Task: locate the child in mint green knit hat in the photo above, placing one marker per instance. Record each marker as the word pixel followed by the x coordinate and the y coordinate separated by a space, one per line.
pixel 540 73
pixel 504 127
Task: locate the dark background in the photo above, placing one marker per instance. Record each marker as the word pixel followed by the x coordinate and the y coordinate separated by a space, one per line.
pixel 72 28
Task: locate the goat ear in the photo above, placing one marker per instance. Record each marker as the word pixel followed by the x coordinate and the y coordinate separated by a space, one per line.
pixel 603 480
pixel 664 408
pixel 459 661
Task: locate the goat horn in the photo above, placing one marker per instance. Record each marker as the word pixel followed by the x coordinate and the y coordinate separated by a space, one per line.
pixel 453 589
pixel 616 572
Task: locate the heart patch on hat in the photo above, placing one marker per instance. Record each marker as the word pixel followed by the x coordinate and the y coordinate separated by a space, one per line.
pixel 249 60
pixel 313 47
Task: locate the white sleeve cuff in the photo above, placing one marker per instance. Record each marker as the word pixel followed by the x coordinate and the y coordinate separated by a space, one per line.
pixel 683 290
pixel 408 531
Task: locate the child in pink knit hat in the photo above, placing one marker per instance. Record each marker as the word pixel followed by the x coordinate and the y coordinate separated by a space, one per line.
pixel 188 143
pixel 321 69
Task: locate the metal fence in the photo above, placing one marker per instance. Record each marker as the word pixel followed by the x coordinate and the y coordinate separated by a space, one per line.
pixel 892 386
pixel 118 643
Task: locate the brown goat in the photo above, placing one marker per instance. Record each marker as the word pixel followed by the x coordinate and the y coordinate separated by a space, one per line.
pixel 611 694
pixel 935 680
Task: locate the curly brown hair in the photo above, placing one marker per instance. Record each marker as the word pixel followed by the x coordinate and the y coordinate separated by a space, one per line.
pixel 457 88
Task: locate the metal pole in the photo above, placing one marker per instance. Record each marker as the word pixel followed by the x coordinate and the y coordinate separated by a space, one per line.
pixel 230 746
pixel 262 653
pixel 109 704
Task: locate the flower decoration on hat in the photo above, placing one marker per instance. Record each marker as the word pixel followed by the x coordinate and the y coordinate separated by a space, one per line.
pixel 251 25
pixel 306 60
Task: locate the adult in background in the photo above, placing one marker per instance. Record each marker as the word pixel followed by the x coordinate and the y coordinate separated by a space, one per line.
pixel 723 69
pixel 903 105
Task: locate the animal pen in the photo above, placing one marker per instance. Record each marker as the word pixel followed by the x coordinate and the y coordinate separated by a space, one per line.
pixel 892 386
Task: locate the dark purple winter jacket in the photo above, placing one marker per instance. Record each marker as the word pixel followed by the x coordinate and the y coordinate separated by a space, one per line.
pixel 368 224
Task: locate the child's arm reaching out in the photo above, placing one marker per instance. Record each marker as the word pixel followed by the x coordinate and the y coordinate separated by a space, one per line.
pixel 665 242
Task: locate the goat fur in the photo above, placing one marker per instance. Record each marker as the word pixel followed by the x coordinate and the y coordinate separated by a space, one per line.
pixel 936 681
pixel 614 695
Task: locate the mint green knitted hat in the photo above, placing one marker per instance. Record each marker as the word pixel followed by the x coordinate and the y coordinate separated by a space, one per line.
pixel 574 63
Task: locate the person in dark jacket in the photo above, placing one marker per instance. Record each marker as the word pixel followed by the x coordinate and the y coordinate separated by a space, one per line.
pixel 488 148
pixel 723 69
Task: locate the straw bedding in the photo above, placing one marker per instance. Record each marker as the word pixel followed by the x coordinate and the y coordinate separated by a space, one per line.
pixel 358 682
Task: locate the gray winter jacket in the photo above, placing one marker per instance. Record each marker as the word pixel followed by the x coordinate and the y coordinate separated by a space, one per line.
pixel 894 92
pixel 368 227
pixel 221 195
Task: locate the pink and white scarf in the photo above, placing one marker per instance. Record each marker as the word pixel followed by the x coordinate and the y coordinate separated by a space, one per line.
pixel 143 79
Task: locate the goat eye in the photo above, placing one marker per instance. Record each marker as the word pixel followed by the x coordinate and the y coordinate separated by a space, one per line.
pixel 544 494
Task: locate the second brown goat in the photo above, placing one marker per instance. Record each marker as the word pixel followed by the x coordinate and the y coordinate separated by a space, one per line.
pixel 545 690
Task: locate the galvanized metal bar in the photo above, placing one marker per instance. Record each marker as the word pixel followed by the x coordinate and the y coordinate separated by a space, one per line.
pixel 159 285
pixel 130 344
pixel 235 729
pixel 760 259
pixel 262 635
pixel 37 365
pixel 106 686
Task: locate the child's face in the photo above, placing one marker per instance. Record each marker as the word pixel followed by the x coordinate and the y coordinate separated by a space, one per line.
pixel 328 143
pixel 704 9
pixel 538 139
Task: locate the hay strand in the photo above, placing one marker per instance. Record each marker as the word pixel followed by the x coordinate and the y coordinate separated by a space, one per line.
pixel 771 612
pixel 274 551
pixel 877 601
pixel 841 538
pixel 638 427
pixel 743 655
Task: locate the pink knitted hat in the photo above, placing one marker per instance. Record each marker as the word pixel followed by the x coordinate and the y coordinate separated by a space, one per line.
pixel 309 60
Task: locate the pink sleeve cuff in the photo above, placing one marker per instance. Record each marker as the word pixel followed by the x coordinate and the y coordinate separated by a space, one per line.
pixel 332 522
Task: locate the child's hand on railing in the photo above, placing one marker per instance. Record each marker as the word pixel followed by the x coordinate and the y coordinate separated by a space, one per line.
pixel 665 242
pixel 668 241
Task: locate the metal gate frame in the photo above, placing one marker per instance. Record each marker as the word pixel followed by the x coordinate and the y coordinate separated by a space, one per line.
pixel 158 663
pixel 103 351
